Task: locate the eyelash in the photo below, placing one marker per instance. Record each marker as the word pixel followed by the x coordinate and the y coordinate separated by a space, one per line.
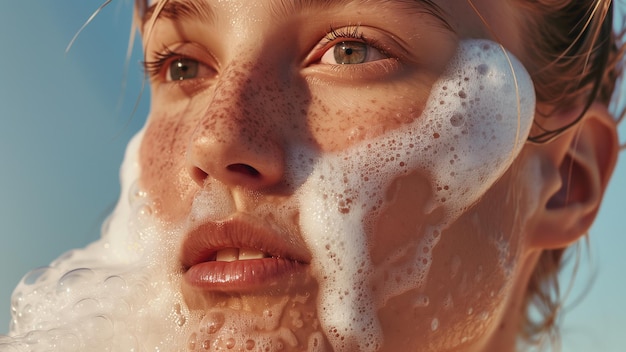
pixel 343 32
pixel 154 67
pixel 350 32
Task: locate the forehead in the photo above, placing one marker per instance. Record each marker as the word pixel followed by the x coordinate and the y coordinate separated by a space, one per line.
pixel 498 20
pixel 181 9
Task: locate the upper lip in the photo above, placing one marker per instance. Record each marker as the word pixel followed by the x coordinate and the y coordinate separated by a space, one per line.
pixel 201 243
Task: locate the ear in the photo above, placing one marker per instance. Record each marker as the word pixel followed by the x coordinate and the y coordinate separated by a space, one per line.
pixel 577 167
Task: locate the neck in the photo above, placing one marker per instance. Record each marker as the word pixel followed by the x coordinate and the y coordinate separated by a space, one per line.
pixel 504 337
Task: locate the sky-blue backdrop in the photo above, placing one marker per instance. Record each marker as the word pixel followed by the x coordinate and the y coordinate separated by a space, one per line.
pixel 65 124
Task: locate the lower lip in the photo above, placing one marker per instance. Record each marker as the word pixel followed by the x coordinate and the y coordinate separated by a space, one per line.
pixel 243 275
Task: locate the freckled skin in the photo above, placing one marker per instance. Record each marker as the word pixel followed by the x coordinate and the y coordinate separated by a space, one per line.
pixel 242 130
pixel 229 129
pixel 242 119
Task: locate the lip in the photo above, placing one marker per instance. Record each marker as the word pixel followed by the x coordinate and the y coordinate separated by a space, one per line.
pixel 285 259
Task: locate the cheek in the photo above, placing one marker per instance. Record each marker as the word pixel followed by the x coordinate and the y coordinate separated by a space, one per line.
pixel 470 132
pixel 338 119
pixel 474 266
pixel 405 214
pixel 162 156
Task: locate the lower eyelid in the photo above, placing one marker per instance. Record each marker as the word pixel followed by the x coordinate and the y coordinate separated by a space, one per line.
pixel 185 89
pixel 365 72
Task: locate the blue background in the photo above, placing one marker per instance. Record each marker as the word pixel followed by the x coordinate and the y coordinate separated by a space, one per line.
pixel 66 119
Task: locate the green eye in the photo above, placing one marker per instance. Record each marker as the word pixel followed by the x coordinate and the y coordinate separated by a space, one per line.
pixel 350 53
pixel 182 69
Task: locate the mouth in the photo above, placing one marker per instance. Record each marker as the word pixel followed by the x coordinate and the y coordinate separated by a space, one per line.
pixel 241 255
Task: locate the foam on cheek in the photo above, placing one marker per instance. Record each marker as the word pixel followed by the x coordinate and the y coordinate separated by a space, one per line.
pixel 475 123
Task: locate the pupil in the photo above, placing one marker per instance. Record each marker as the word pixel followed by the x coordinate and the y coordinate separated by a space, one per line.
pixel 182 69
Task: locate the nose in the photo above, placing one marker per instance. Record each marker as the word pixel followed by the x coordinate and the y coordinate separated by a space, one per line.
pixel 238 139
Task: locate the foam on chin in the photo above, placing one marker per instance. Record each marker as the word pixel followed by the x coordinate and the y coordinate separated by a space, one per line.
pixel 110 294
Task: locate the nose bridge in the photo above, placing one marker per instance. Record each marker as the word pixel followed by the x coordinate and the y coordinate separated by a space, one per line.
pixel 240 139
pixel 241 99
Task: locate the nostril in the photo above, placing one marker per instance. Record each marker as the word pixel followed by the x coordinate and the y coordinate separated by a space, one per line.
pixel 199 175
pixel 243 169
pixel 237 170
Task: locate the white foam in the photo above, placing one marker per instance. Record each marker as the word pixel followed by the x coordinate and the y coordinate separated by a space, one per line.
pixel 475 123
pixel 109 296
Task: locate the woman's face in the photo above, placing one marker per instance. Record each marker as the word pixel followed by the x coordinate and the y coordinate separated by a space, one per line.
pixel 335 178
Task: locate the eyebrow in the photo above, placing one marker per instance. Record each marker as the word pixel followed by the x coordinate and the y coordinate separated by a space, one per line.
pixel 189 9
pixel 181 10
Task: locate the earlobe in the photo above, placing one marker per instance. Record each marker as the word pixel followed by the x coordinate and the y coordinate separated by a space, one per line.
pixel 579 165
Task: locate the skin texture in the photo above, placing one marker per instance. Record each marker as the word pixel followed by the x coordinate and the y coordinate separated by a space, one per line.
pixel 264 89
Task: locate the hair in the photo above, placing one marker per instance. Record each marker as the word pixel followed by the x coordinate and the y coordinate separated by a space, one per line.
pixel 577 62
